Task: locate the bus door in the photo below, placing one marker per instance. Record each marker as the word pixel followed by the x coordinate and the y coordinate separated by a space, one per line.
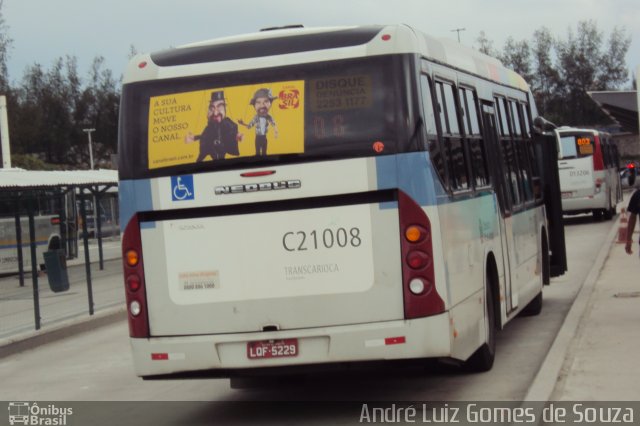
pixel 501 179
pixel 547 153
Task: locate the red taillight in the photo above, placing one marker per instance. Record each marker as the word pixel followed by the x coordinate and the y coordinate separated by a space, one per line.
pixel 55 220
pixel 598 161
pixel 421 298
pixel 134 279
pixel 417 259
pixel 133 282
pixel 160 356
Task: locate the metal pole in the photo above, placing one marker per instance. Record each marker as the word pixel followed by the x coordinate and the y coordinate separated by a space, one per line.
pixel 458 31
pixel 98 218
pixel 19 243
pixel 87 262
pixel 88 132
pixel 34 265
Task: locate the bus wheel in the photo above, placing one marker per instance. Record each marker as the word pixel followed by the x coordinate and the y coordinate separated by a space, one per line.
pixel 597 215
pixel 482 359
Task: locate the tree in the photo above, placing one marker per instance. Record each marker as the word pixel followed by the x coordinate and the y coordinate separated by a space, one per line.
pixel 101 98
pixel 613 73
pixel 544 78
pixel 583 67
pixel 5 46
pixel 485 45
pixel 132 52
pixel 562 71
pixel 516 55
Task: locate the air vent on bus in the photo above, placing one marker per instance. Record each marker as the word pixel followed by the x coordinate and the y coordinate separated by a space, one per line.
pixel 285 27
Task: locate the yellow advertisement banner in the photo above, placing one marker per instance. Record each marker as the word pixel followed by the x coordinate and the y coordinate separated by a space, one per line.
pixel 224 123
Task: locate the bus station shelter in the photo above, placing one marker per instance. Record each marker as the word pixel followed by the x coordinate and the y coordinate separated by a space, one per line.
pixel 27 192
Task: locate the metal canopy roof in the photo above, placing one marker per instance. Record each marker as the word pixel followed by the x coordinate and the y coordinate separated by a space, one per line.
pixel 621 106
pixel 19 179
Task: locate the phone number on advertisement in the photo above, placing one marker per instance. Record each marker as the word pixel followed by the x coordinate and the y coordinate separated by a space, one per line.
pixel 317 239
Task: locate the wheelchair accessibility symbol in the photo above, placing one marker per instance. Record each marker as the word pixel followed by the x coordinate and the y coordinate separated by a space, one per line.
pixel 182 188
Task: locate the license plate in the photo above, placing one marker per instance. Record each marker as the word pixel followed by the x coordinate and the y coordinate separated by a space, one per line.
pixel 272 349
pixel 566 195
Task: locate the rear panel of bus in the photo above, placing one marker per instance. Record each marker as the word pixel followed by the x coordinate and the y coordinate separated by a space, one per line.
pixel 308 259
pixel 242 256
pixel 581 170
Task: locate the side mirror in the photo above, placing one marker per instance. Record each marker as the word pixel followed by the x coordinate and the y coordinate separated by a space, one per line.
pixel 541 125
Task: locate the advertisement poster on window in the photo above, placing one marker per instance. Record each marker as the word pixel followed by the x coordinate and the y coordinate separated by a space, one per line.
pixel 228 122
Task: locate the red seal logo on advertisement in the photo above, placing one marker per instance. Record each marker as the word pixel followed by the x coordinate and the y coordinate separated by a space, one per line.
pixel 378 147
pixel 289 99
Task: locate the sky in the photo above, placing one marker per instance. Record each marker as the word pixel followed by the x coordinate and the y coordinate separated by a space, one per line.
pixel 44 30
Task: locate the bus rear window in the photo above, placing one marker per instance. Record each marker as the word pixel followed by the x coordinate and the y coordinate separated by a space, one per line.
pixel 307 112
pixel 576 146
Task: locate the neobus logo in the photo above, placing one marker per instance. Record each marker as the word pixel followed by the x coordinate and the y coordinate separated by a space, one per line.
pixel 256 187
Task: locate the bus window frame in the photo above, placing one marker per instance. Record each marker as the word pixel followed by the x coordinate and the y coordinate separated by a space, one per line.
pixel 479 137
pixel 441 81
pixel 432 139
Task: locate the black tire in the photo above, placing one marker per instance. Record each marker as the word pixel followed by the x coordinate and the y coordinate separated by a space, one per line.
pixel 482 359
pixel 597 215
pixel 607 213
pixel 535 306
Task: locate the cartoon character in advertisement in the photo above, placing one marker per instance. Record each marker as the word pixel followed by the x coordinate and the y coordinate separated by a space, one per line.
pixel 220 136
pixel 261 101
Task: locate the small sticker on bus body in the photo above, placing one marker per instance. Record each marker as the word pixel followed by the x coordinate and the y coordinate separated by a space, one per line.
pixel 199 280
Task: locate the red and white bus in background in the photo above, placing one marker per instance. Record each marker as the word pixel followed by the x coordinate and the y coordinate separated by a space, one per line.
pixel 301 197
pixel 588 164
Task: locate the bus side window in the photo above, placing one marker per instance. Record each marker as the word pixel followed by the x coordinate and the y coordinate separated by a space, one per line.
pixel 604 148
pixel 512 175
pixel 473 137
pixel 454 149
pixel 430 110
pixel 609 152
pixel 521 151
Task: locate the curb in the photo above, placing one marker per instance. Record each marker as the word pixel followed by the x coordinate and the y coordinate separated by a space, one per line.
pixel 546 379
pixel 60 331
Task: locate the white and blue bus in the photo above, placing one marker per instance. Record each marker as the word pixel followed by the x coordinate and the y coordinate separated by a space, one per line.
pixel 298 197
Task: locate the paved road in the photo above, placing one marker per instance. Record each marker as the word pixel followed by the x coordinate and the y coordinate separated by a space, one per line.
pixel 17 307
pixel 96 366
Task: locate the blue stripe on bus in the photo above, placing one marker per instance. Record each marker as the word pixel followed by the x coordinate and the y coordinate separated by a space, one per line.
pixel 24 245
pixel 410 172
pixel 135 196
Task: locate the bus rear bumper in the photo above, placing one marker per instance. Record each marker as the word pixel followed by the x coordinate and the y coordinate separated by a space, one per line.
pixel 584 204
pixel 225 355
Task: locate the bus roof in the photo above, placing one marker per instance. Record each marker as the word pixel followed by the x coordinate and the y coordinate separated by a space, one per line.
pixel 305 45
pixel 568 129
